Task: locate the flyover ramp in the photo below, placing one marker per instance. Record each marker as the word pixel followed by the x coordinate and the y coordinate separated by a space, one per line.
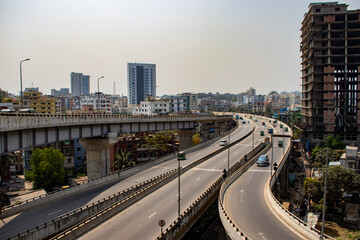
pixel 47 212
pixel 140 221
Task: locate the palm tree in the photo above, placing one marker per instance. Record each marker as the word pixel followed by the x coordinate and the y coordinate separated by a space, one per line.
pixel 123 161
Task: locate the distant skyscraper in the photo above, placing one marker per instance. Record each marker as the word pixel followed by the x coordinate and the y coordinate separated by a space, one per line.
pixel 80 84
pixel 141 81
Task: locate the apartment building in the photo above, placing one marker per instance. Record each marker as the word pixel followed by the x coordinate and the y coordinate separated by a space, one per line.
pixel 330 54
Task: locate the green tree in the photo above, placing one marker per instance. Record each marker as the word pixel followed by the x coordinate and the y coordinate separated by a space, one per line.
pixel 320 156
pixel 340 180
pixel 313 189
pixel 158 142
pixel 46 168
pixel 122 160
pixel 3 94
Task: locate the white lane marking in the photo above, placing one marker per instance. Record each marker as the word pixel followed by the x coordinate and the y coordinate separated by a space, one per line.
pixel 178 194
pixel 137 180
pixel 225 160
pixel 55 212
pixel 206 169
pixel 151 215
pixel 197 179
pixel 259 170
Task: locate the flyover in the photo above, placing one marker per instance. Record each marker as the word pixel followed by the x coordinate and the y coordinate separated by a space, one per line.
pixel 162 204
pixel 35 217
pixel 97 133
pixel 248 208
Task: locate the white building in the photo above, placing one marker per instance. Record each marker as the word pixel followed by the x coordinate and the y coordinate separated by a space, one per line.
pixel 152 106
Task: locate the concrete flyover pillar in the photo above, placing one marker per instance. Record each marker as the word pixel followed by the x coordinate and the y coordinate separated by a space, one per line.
pixel 98 155
pixel 185 137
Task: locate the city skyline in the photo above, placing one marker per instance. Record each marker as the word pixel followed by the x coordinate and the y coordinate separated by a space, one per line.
pixel 203 46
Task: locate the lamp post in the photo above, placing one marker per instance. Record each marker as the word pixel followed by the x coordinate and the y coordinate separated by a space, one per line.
pixel 229 153
pixel 253 134
pixel 323 213
pixel 99 93
pixel 272 154
pixel 21 91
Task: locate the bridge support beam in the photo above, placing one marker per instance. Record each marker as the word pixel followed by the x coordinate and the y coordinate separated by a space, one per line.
pixel 185 137
pixel 98 155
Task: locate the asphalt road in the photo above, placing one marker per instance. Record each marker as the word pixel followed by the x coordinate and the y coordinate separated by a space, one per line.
pixel 140 221
pixel 245 203
pixel 33 217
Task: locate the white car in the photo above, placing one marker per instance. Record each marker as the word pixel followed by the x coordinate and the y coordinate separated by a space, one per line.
pixel 223 142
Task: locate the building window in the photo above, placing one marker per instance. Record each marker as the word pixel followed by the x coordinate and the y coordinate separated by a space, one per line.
pixel 69 160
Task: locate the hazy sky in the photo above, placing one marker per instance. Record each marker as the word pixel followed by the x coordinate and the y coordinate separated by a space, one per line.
pixel 197 45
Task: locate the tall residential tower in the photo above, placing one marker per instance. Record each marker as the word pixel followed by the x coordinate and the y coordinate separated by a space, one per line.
pixel 80 84
pixel 141 82
pixel 330 60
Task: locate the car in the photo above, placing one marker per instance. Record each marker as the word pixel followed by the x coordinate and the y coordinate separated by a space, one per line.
pixel 263 161
pixel 223 142
pixel 244 122
pixel 263 123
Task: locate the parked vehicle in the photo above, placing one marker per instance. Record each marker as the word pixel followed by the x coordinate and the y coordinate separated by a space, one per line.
pixel 261 133
pixel 286 129
pixel 244 122
pixel 263 123
pixel 270 130
pixel 237 117
pixel 263 161
pixel 280 143
pixel 223 142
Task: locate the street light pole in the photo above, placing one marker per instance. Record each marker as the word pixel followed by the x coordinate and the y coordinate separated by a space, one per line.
pixel 178 189
pixel 323 213
pixel 21 91
pixel 99 93
pixel 272 155
pixel 253 134
pixel 229 153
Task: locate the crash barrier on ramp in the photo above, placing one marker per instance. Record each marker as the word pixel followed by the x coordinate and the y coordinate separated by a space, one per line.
pixel 232 230
pixel 296 223
pixel 173 231
pixel 113 177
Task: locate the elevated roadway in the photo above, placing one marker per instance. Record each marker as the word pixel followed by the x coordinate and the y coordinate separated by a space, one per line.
pixel 140 221
pixel 36 216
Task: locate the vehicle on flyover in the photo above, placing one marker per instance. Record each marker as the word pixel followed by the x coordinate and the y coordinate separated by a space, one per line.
pixel 263 161
pixel 223 142
pixel 181 155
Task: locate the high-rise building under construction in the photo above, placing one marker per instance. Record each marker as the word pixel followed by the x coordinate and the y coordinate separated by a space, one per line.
pixel 330 60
